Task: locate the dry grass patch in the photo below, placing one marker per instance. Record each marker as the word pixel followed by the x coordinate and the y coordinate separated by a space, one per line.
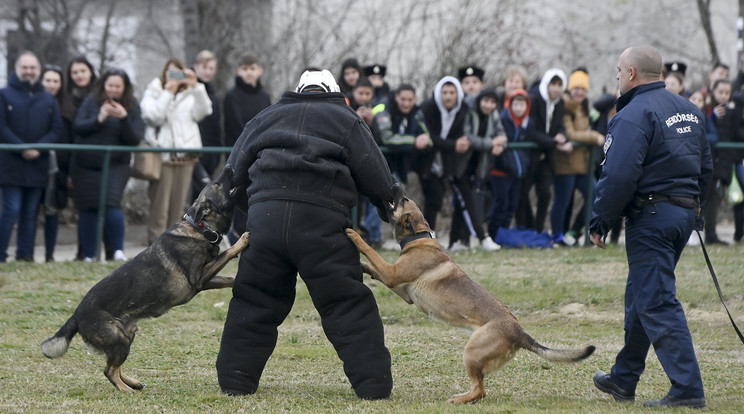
pixel 563 297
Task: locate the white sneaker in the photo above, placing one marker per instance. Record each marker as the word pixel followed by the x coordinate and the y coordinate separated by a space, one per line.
pixel 458 247
pixel 489 245
pixel 569 239
pixel 88 260
pixel 119 256
pixel 693 240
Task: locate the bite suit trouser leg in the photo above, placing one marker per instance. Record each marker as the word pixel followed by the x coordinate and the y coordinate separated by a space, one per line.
pixel 287 238
pixel 653 315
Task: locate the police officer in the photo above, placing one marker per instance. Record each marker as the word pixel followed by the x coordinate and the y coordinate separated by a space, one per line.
pixel 658 165
pixel 301 162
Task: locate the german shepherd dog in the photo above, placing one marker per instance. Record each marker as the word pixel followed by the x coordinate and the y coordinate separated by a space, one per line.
pixel 183 261
pixel 425 275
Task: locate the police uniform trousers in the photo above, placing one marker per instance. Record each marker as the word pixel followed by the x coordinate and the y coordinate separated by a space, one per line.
pixel 653 315
pixel 288 237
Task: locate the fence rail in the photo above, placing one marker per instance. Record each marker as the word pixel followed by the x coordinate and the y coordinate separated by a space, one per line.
pixel 108 149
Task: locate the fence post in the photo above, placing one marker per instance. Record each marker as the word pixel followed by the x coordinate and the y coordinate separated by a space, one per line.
pixel 103 189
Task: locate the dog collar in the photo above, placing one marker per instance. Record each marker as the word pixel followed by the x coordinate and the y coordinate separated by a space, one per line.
pixel 416 236
pixel 209 234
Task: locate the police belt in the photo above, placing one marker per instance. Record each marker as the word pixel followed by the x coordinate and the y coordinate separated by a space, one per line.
pixel 640 200
pixel 685 202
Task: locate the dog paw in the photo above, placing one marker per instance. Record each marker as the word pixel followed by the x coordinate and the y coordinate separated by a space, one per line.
pixel 244 240
pixel 352 234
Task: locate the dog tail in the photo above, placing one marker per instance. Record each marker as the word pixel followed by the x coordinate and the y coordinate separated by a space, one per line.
pixel 557 355
pixel 56 346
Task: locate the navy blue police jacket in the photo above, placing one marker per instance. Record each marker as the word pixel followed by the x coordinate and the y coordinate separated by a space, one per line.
pixel 656 144
pixel 312 148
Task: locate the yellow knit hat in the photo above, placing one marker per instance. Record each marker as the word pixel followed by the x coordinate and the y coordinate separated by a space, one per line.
pixel 578 79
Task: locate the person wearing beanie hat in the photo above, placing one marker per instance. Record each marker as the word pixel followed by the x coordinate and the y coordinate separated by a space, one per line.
pixel 572 163
pixel 351 71
pixel 578 79
pixel 299 168
pixel 471 79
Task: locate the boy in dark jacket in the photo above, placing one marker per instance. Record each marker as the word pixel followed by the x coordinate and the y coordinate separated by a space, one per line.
pixel 242 103
pixel 510 167
pixel 245 100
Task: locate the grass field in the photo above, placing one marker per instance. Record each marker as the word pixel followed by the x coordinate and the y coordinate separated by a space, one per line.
pixel 563 297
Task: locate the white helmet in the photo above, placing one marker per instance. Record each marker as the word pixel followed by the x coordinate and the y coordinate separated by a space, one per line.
pixel 322 79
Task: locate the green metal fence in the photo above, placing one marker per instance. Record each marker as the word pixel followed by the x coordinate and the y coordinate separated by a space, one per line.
pixel 108 149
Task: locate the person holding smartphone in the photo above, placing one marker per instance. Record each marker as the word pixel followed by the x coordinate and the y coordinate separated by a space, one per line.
pixel 110 115
pixel 172 106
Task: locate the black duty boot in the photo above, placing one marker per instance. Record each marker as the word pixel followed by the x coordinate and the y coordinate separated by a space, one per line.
pixel 603 383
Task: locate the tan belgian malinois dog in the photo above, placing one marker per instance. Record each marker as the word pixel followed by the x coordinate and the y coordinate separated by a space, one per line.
pixel 425 275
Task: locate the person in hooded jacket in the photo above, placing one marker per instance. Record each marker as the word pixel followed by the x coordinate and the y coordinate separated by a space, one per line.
pixel 351 71
pixel 486 134
pixel 546 111
pixel 28 114
pixel 509 167
pixel 445 115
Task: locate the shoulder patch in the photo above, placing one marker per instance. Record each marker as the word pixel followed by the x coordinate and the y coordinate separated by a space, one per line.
pixel 606 147
pixel 608 142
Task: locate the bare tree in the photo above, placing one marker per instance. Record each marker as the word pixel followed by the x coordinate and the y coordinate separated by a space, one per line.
pixel 33 17
pixel 704 9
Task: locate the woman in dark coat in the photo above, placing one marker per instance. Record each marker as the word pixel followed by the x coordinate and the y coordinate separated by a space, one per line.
pixel 110 115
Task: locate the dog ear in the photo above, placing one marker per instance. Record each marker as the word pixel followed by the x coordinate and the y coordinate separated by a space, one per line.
pixel 202 211
pixel 407 222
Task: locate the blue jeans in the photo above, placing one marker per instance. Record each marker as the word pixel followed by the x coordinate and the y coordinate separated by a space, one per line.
pixel 372 222
pixel 563 187
pixel 20 204
pixel 113 225
pixel 506 192
pixel 739 208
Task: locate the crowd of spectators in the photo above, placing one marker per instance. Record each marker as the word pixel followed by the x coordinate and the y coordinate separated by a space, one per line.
pixel 455 143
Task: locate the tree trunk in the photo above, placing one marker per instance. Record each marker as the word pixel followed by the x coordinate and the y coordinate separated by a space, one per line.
pixel 704 9
pixel 191 24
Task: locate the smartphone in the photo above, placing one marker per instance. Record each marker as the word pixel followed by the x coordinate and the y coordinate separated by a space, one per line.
pixel 176 74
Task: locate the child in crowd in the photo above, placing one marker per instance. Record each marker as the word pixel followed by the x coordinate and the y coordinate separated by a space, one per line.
pixel 546 111
pixel 483 129
pixel 244 101
pixel 471 78
pixel 509 168
pixel 350 74
pixel 362 101
pixel 376 75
